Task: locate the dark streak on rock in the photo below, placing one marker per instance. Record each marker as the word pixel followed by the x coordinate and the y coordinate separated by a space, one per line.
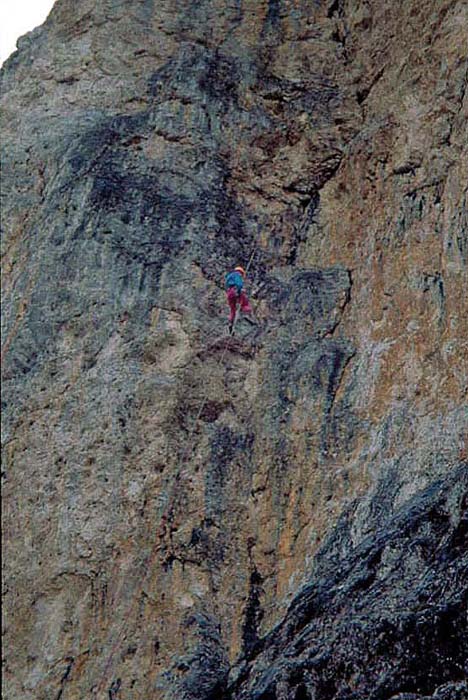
pixel 352 614
pixel 65 677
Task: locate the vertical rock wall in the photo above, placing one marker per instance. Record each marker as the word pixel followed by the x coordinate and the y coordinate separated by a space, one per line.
pixel 169 491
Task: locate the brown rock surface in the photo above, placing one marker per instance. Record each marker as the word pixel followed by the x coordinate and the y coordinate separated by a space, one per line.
pixel 167 488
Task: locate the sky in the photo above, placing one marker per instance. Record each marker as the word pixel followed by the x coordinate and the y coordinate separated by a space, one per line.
pixel 17 17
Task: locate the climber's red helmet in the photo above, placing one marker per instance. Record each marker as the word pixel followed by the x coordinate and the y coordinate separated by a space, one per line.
pixel 241 270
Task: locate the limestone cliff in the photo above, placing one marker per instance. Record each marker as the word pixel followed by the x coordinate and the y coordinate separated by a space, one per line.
pixel 281 515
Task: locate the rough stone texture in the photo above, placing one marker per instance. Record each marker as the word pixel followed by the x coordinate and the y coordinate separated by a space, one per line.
pixel 279 515
pixel 387 614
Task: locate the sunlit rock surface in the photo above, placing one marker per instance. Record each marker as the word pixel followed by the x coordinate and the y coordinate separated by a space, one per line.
pixel 280 515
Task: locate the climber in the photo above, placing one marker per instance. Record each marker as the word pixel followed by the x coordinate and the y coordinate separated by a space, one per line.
pixel 234 284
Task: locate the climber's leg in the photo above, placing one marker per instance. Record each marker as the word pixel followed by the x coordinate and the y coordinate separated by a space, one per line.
pixel 244 303
pixel 246 309
pixel 231 295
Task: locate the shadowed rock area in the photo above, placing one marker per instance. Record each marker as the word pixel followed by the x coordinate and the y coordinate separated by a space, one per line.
pixel 280 514
pixel 386 619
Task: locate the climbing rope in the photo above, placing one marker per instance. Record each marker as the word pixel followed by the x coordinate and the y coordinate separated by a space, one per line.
pixel 147 564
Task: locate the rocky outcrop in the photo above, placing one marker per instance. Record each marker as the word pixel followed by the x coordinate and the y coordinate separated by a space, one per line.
pixel 281 514
pixel 384 619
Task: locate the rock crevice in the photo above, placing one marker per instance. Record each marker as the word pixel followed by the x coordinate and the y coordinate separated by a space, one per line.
pixel 278 514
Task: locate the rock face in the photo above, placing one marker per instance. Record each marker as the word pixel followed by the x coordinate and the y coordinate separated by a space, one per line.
pixel 281 515
pixel 378 618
